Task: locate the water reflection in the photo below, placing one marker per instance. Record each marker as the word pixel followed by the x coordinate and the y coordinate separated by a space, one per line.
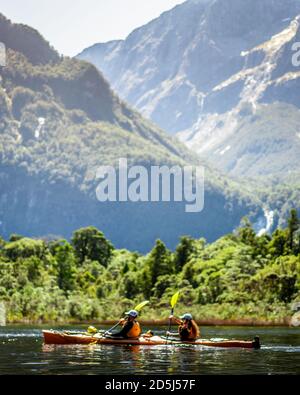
pixel 22 351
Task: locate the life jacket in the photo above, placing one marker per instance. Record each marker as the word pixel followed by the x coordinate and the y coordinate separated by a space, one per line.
pixel 187 332
pixel 135 331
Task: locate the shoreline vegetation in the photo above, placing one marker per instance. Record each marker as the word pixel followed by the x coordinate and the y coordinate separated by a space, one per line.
pixel 241 279
pixel 242 322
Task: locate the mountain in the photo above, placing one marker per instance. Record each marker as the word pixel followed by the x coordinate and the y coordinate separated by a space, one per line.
pixel 216 73
pixel 27 41
pixel 59 121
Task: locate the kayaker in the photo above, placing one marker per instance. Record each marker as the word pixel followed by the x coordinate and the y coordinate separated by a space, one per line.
pixel 188 330
pixel 130 327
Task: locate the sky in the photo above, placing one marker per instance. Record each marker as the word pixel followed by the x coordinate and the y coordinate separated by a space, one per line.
pixel 72 25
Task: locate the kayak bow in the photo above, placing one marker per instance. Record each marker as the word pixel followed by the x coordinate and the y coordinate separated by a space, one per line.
pixel 63 338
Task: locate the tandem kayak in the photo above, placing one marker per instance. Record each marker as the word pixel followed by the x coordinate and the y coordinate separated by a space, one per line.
pixel 65 338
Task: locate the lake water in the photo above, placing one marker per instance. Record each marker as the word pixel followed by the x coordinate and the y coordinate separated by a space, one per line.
pixel 22 352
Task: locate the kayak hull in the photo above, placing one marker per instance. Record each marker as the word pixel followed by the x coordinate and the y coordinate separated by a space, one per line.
pixel 63 338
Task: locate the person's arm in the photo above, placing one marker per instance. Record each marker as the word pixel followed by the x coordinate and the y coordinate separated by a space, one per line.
pixel 177 320
pixel 121 322
pixel 126 328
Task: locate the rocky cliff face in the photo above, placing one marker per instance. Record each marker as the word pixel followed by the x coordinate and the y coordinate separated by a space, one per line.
pixel 208 69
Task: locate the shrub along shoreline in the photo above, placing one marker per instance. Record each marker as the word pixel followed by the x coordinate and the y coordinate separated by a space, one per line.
pixel 281 316
pixel 242 322
pixel 239 279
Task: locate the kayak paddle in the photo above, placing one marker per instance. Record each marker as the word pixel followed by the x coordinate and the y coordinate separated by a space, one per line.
pixel 173 303
pixel 137 308
pixel 141 305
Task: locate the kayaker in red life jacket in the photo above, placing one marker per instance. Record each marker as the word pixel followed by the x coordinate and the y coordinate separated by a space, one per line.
pixel 188 330
pixel 130 327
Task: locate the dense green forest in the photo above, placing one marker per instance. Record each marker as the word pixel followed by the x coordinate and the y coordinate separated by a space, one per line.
pixel 239 276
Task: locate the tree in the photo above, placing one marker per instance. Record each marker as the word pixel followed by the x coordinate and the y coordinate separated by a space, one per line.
pixel 66 267
pixel 293 226
pixel 2 243
pixel 34 268
pixel 15 237
pixel 163 283
pixel 287 287
pixel 246 233
pixel 20 98
pixel 25 248
pixel 131 285
pixel 182 253
pixel 4 110
pixel 188 273
pixel 278 243
pixel 90 243
pixel 29 124
pixel 159 262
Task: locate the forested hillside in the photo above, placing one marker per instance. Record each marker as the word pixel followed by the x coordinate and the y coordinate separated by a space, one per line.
pixel 60 121
pixel 239 276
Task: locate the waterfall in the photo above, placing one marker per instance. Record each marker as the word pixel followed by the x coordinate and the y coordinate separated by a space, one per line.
pixel 269 221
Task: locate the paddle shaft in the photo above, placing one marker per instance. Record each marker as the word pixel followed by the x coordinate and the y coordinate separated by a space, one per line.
pixel 111 329
pixel 170 323
pixel 138 308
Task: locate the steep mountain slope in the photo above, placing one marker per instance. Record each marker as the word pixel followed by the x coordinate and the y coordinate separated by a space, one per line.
pixel 207 69
pixel 264 142
pixel 59 121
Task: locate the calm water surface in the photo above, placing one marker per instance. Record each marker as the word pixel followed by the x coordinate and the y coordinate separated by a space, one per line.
pixel 22 352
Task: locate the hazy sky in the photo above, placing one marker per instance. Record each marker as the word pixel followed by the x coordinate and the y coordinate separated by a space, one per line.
pixel 72 25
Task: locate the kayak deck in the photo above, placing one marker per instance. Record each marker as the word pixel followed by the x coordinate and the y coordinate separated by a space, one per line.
pixel 63 338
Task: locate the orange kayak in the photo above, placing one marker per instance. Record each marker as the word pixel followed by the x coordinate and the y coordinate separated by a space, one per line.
pixel 63 338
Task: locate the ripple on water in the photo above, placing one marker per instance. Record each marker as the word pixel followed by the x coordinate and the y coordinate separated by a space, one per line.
pixel 23 352
pixel 10 335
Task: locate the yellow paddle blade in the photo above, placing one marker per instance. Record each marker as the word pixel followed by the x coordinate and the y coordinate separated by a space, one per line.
pixel 174 299
pixel 141 305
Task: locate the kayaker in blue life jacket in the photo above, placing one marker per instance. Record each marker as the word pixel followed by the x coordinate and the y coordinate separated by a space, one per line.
pixel 130 327
pixel 188 330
